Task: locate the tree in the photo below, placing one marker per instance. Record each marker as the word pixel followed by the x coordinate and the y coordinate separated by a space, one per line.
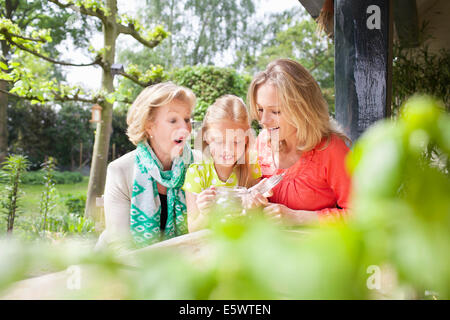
pixel 290 34
pixel 113 24
pixel 32 15
pixel 200 30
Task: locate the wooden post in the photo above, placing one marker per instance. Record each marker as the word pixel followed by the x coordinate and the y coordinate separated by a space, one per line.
pixel 363 63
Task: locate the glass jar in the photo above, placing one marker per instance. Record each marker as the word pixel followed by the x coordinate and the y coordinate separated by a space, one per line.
pixel 229 201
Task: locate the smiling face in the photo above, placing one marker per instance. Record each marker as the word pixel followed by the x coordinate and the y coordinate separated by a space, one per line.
pixel 270 115
pixel 169 129
pixel 226 140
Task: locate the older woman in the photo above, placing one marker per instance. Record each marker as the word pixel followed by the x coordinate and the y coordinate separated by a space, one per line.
pixel 143 197
pixel 300 141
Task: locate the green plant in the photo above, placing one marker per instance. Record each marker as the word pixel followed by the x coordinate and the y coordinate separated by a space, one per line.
pixel 48 197
pixel 75 205
pixel 63 225
pixel 13 168
pixel 420 70
pixel 401 195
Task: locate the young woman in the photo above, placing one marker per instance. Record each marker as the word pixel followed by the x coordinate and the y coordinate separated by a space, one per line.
pixel 300 140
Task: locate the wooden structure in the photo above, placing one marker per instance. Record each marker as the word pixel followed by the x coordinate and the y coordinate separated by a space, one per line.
pixel 363 33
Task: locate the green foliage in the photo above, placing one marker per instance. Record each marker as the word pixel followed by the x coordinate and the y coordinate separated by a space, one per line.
pixel 65 224
pixel 209 83
pixel 13 168
pixel 75 205
pixel 40 131
pixel 119 137
pixel 200 30
pixel 420 71
pixel 40 32
pixel 401 196
pixel 289 34
pixel 31 132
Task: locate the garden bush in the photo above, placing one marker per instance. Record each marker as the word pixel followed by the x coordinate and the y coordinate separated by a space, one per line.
pixel 76 205
pixel 209 83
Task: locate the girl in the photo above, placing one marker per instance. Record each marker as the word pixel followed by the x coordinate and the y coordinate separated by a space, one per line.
pixel 227 161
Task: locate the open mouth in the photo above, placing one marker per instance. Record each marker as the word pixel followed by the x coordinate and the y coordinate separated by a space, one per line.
pixel 273 129
pixel 179 141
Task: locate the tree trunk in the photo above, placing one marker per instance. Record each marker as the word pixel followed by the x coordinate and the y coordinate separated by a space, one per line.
pixel 103 132
pixel 4 108
pixel 3 121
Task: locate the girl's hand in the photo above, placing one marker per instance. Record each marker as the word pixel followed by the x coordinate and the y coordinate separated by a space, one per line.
pixel 205 199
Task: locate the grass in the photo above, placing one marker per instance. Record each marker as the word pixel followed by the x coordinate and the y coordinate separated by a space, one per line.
pixel 31 197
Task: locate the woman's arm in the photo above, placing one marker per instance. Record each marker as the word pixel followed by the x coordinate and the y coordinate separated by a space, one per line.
pixel 117 204
pixel 287 216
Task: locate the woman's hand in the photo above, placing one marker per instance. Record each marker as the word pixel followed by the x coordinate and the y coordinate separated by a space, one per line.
pixel 284 215
pixel 255 199
pixel 205 199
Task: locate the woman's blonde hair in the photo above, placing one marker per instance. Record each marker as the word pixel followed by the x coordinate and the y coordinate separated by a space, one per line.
pixel 300 100
pixel 232 108
pixel 144 107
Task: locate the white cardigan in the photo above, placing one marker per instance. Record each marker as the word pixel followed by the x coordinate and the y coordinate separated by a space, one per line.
pixel 117 199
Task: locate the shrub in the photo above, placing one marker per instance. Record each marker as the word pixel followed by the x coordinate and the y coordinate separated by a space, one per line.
pixel 209 83
pixel 67 224
pixel 76 205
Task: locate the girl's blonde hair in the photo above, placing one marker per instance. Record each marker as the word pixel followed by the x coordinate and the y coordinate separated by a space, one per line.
pixel 232 108
pixel 300 100
pixel 144 107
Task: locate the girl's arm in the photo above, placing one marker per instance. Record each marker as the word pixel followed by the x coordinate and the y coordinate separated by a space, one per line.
pixel 198 206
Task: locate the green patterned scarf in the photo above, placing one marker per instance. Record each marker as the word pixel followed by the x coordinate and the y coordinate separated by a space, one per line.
pixel 145 215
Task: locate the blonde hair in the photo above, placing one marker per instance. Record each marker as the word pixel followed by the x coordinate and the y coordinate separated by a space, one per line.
pixel 300 99
pixel 232 108
pixel 144 107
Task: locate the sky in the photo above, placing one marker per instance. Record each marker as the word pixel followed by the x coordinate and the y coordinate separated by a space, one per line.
pixel 90 77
